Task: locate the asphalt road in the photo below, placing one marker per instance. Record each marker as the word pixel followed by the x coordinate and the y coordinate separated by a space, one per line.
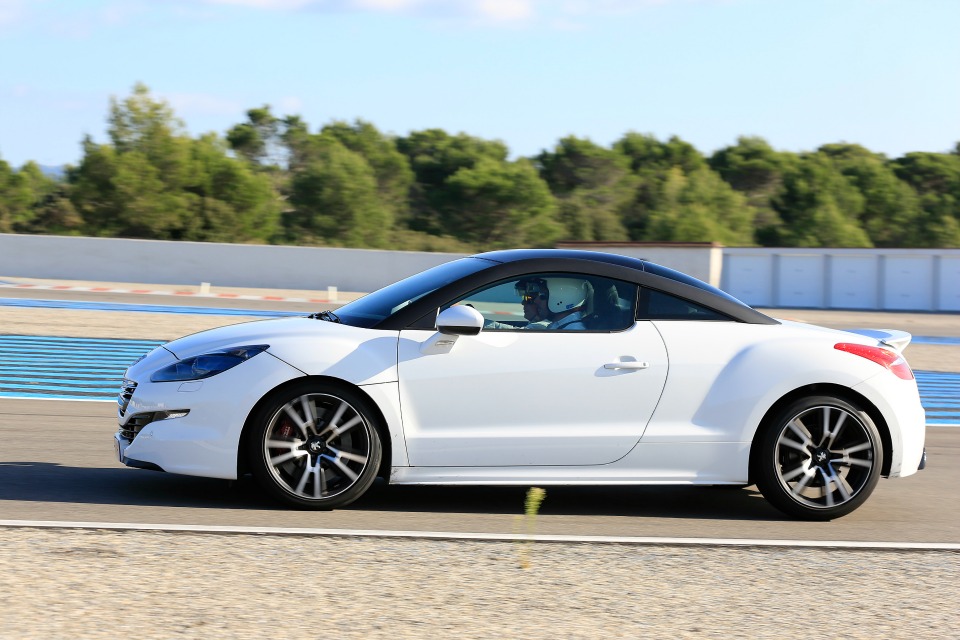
pixel 56 463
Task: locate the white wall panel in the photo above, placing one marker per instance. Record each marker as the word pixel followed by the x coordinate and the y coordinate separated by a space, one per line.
pixel 749 277
pixel 800 281
pixel 907 283
pixel 853 282
pixel 949 281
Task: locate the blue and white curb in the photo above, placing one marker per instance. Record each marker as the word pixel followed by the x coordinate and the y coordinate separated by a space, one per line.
pixel 92 369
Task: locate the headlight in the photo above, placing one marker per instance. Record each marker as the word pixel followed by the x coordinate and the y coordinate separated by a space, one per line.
pixel 206 365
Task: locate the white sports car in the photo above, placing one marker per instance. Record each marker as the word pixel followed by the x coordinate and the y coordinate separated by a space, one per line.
pixel 532 367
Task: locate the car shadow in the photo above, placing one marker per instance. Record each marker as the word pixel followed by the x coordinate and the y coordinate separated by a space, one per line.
pixel 727 503
pixel 56 483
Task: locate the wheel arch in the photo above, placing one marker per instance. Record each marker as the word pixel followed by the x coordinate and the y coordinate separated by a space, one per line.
pixel 836 390
pixel 243 465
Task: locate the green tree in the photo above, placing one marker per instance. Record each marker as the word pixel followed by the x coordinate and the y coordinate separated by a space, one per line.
pixel 593 186
pixel 753 168
pixel 142 124
pixel 155 181
pixel 679 197
pixel 891 210
pixel 94 194
pixel 22 194
pixel 232 202
pixel 647 153
pixel 335 200
pixel 391 168
pixel 257 138
pixel 435 156
pixel 501 205
pixel 819 206
pixel 936 179
pixel 698 207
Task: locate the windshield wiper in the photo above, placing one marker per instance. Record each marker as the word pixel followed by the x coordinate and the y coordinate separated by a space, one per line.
pixel 329 316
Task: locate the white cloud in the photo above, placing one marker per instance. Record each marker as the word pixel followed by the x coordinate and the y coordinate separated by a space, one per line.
pixel 289 105
pixel 563 14
pixel 203 104
pixel 488 10
pixel 505 10
pixel 11 11
pixel 283 5
pixel 392 6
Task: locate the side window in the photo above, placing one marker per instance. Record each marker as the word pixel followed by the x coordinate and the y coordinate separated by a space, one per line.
pixel 656 305
pixel 555 302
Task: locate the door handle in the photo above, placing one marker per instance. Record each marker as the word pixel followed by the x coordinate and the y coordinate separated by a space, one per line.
pixel 626 365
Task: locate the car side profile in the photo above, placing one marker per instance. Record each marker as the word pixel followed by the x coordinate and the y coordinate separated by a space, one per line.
pixel 532 367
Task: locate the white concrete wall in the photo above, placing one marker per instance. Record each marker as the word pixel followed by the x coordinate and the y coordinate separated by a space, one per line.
pixel 226 265
pixel 881 279
pixel 877 279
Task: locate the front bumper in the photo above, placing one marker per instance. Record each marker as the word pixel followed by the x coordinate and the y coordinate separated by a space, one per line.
pixel 193 428
pixel 120 445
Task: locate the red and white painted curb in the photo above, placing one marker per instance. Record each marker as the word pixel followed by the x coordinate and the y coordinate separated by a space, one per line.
pixel 181 293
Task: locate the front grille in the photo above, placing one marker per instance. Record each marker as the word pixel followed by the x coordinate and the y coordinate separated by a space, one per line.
pixel 136 423
pixel 126 392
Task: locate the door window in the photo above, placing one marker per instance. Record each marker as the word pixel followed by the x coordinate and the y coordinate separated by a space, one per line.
pixel 555 302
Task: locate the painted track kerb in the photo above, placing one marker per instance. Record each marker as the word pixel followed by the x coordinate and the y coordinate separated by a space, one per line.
pixel 492 537
pixel 52 367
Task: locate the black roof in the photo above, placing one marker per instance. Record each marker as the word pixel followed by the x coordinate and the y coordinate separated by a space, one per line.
pixel 515 262
pixel 516 255
pixel 513 255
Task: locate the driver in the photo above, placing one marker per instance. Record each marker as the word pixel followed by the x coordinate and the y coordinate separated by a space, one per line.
pixel 553 303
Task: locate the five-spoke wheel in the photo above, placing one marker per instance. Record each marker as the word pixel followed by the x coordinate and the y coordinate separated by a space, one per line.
pixel 315 446
pixel 819 458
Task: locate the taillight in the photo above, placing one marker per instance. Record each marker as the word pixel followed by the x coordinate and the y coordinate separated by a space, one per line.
pixel 883 357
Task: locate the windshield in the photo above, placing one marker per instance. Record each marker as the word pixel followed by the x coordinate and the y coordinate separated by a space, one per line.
pixel 375 307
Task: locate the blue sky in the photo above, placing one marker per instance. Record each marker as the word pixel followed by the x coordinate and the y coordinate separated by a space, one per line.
pixel 800 73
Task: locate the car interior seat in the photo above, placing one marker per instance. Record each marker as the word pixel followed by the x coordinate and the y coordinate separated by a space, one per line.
pixel 606 313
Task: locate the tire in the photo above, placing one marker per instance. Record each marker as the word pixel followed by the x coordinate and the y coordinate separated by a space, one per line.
pixel 315 445
pixel 819 458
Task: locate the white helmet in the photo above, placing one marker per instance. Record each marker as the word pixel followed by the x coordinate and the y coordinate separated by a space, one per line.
pixel 565 294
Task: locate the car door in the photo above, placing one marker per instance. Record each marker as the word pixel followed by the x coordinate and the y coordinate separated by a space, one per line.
pixel 531 396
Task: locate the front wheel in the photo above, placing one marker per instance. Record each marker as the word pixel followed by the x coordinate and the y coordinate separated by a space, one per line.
pixel 819 458
pixel 315 446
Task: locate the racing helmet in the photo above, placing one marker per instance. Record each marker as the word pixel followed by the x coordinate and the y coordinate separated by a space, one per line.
pixel 562 294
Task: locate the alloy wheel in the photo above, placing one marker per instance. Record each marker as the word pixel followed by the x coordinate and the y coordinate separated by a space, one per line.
pixel 825 456
pixel 318 446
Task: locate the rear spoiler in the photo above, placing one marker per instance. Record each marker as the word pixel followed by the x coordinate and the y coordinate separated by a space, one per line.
pixel 897 340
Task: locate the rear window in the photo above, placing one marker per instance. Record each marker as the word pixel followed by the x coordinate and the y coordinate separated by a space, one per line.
pixel 656 305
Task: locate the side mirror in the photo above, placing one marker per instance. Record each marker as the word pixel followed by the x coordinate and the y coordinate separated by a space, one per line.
pixel 460 320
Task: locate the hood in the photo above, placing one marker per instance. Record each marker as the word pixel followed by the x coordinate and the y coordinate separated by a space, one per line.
pixel 261 332
pixel 315 347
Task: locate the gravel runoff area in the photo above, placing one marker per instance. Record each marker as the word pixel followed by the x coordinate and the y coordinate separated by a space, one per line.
pixel 99 583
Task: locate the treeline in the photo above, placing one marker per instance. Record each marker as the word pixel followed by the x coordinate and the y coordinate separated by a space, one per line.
pixel 271 180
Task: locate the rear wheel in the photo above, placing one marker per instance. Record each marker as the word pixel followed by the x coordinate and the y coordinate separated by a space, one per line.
pixel 315 446
pixel 819 458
